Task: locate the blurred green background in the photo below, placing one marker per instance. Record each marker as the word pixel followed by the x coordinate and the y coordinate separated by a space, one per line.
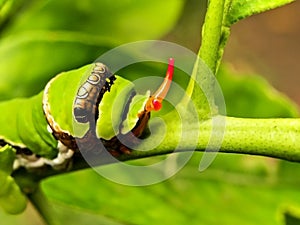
pixel 41 38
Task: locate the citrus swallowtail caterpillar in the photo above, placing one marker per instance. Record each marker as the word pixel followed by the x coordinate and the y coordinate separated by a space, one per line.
pixel 73 113
pixel 43 124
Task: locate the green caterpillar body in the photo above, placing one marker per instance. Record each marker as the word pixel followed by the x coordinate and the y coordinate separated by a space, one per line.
pixel 63 115
pixel 39 131
pixel 23 126
pixel 76 111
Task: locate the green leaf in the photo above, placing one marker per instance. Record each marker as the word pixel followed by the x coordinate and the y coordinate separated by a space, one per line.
pixel 122 21
pixel 8 8
pixel 53 36
pixel 240 9
pixel 231 186
pixel 252 96
pixel 39 56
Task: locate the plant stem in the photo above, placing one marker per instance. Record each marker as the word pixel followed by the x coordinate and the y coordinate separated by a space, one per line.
pixel 40 202
pixel 211 34
pixel 202 92
pixel 278 138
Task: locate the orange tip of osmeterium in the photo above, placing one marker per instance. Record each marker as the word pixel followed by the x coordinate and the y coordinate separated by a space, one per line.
pixel 155 101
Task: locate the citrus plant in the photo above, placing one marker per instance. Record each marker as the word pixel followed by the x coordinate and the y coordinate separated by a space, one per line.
pixel 39 160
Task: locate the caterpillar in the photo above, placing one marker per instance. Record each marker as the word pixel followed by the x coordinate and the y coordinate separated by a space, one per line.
pixel 73 112
pixel 42 126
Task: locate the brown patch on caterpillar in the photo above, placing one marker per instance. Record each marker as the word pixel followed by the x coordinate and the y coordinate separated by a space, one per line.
pixel 85 107
pixel 91 93
pixel 118 144
pixel 19 149
pixel 88 98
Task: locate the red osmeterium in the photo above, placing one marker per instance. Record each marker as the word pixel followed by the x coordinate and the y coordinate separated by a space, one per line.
pixel 170 70
pixel 155 101
pixel 157 105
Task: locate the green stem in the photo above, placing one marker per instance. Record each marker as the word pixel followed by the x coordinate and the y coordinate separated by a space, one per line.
pixel 40 202
pixel 211 34
pixel 202 93
pixel 278 138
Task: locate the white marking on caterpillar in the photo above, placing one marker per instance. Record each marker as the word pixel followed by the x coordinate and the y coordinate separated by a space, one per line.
pixel 63 157
pixel 49 129
pixel 31 161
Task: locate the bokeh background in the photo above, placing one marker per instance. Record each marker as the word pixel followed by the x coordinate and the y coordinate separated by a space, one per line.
pixel 236 189
pixel 266 44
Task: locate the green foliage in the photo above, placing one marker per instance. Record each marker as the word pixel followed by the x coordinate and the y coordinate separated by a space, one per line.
pixel 44 39
pixel 240 9
pixel 252 96
pixel 219 17
pixel 48 37
pixel 231 186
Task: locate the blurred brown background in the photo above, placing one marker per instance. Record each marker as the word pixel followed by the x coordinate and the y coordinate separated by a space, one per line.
pixel 269 44
pixel 266 44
